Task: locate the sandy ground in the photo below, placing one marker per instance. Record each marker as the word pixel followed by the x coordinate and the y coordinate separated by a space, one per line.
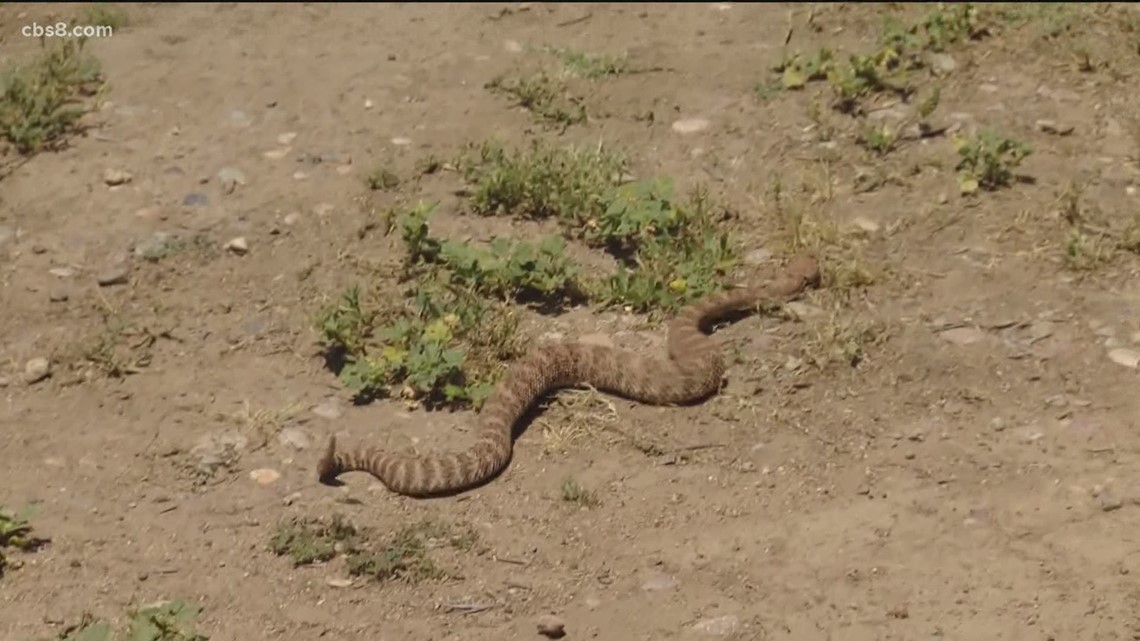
pixel 974 476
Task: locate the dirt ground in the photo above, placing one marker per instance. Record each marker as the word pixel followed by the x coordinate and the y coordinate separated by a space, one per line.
pixel 974 475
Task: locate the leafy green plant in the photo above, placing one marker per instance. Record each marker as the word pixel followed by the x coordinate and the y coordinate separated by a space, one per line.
pixel 987 160
pixel 42 101
pixel 162 621
pixel 443 346
pixel 16 533
pixel 505 269
pixel 546 97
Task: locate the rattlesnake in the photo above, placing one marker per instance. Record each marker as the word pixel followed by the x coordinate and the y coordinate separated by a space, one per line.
pixel 692 370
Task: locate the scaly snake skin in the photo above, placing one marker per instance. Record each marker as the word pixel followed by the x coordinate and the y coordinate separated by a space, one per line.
pixel 692 370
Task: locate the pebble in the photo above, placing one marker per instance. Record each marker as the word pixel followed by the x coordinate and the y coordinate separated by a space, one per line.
pixel 401 141
pixel 368 104
pixel 690 125
pixel 300 175
pixel 963 335
pixel 801 310
pixel 1108 502
pixel 286 138
pixel 551 626
pixel 265 476
pixel 58 296
pixel 277 154
pixel 62 272
pixel 329 409
pixel 1052 127
pixel 231 178
pixel 240 118
pixel 1125 356
pixel 339 583
pixel 866 224
pixel 116 177
pixel 238 245
pixel 943 63
pixel 718 626
pixel 195 200
pixel 155 247
pixel 294 437
pixel 658 583
pixel 292 218
pixel 36 370
pixel 757 257
pixel 116 274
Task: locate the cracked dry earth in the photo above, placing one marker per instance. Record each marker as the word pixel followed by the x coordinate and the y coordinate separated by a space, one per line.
pixel 975 476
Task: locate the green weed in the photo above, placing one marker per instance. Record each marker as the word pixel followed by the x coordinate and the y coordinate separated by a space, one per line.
pixel 546 97
pixel 987 160
pixel 41 102
pixel 162 621
pixel 573 492
pixel 16 533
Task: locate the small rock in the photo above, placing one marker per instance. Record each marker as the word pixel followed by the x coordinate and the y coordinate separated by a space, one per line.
pixel 943 63
pixel 368 104
pixel 690 125
pixel 230 178
pixel 329 409
pixel 277 154
pixel 401 141
pixel 240 118
pixel 718 626
pixel 218 449
pixel 195 200
pixel 116 177
pixel 757 257
pixel 155 247
pixel 963 335
pixel 801 310
pixel 1052 127
pixel 1108 502
pixel 294 437
pixel 997 424
pixel 36 370
pixel 265 476
pixel 551 626
pixel 58 296
pixel 1125 356
pixel 238 245
pixel 339 583
pixel 300 175
pixel 988 87
pixel 659 583
pixel 117 274
pixel 865 224
pixel 287 137
pixel 62 272
pixel 292 218
pixel 512 46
